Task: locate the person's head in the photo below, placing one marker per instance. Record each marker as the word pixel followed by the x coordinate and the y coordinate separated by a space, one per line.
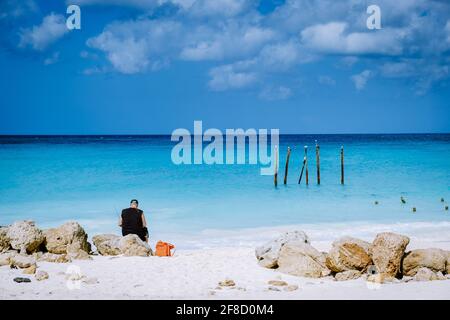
pixel 134 203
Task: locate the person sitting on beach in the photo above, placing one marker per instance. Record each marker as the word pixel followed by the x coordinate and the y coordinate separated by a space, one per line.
pixel 133 221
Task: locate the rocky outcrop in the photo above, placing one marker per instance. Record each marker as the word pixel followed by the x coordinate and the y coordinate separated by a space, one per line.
pixel 387 252
pixel 425 274
pixel 22 261
pixel 70 238
pixel 24 236
pixel 433 259
pixel 107 244
pixel 4 239
pixel 52 257
pixel 349 254
pixel 347 275
pixel 268 254
pixel 130 245
pixel 301 259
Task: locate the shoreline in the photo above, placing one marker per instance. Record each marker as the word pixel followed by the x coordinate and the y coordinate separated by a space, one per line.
pixel 193 274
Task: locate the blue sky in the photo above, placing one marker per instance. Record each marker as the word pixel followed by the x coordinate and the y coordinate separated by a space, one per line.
pixel 151 66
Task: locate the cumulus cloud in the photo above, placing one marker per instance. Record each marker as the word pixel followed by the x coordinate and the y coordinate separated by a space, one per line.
pixel 275 93
pixel 360 80
pixel 333 38
pixel 39 37
pixel 326 80
pixel 54 58
pixel 232 76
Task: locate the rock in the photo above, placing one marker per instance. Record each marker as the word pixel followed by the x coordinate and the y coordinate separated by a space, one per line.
pixel 433 259
pixel 277 283
pixel 349 254
pixel 22 261
pixel 380 278
pixel 447 271
pixel 291 287
pixel 5 257
pixel 30 270
pixel 90 280
pixel 68 238
pixel 267 254
pixel 132 245
pixel 4 239
pixel 301 259
pixel 227 283
pixel 24 236
pixel 387 252
pixel 107 244
pixel 21 280
pixel 79 255
pixel 440 276
pixel 347 275
pixel 41 275
pixel 425 274
pixel 52 257
pixel 271 288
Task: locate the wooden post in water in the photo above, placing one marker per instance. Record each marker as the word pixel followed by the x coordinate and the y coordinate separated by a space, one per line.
pixel 275 178
pixel 303 168
pixel 318 162
pixel 306 165
pixel 342 164
pixel 286 168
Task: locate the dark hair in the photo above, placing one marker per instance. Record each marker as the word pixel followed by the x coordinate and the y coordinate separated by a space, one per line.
pixel 134 200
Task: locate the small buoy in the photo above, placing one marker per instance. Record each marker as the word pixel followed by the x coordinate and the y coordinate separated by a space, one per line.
pixel 402 200
pixel 442 200
pixel 414 209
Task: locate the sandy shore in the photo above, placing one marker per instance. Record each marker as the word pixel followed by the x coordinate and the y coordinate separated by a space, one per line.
pixel 194 274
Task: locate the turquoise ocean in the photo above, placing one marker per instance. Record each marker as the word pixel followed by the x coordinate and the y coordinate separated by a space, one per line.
pixel 52 179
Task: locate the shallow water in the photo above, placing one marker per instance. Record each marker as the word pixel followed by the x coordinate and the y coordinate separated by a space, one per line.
pixel 89 179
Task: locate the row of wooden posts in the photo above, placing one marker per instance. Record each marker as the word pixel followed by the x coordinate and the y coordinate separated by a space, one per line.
pixel 305 165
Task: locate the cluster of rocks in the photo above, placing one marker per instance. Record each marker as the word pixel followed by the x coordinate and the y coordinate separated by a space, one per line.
pixel 23 245
pixel 383 260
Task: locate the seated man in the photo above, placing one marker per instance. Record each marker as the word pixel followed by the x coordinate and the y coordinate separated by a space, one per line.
pixel 133 221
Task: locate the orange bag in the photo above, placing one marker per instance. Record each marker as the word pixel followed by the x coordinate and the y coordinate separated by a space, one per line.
pixel 163 249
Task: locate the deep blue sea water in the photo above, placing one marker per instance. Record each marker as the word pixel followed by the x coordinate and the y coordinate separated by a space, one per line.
pixel 91 178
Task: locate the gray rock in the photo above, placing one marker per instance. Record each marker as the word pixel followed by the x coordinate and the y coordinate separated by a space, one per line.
pixel 107 244
pixel 387 252
pixel 301 259
pixel 70 238
pixel 268 254
pixel 433 259
pixel 24 236
pixel 41 275
pixel 425 274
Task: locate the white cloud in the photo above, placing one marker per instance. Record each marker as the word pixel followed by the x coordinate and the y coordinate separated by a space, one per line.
pixel 326 80
pixel 332 38
pixel 360 80
pixel 232 76
pixel 40 37
pixel 447 31
pixel 275 93
pixel 54 58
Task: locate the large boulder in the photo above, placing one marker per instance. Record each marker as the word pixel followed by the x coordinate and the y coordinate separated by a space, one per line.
pixel 130 245
pixel 387 252
pixel 70 238
pixel 24 236
pixel 4 240
pixel 425 274
pixel 107 244
pixel 268 254
pixel 349 254
pixel 22 261
pixel 301 259
pixel 433 259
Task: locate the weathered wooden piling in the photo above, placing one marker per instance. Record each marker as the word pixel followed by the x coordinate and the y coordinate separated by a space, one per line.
pixel 286 168
pixel 306 166
pixel 318 162
pixel 303 168
pixel 275 177
pixel 342 164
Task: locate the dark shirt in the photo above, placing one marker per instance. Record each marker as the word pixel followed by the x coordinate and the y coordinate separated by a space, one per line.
pixel 132 222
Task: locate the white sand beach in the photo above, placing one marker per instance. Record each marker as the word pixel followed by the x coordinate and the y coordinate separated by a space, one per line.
pixel 195 274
